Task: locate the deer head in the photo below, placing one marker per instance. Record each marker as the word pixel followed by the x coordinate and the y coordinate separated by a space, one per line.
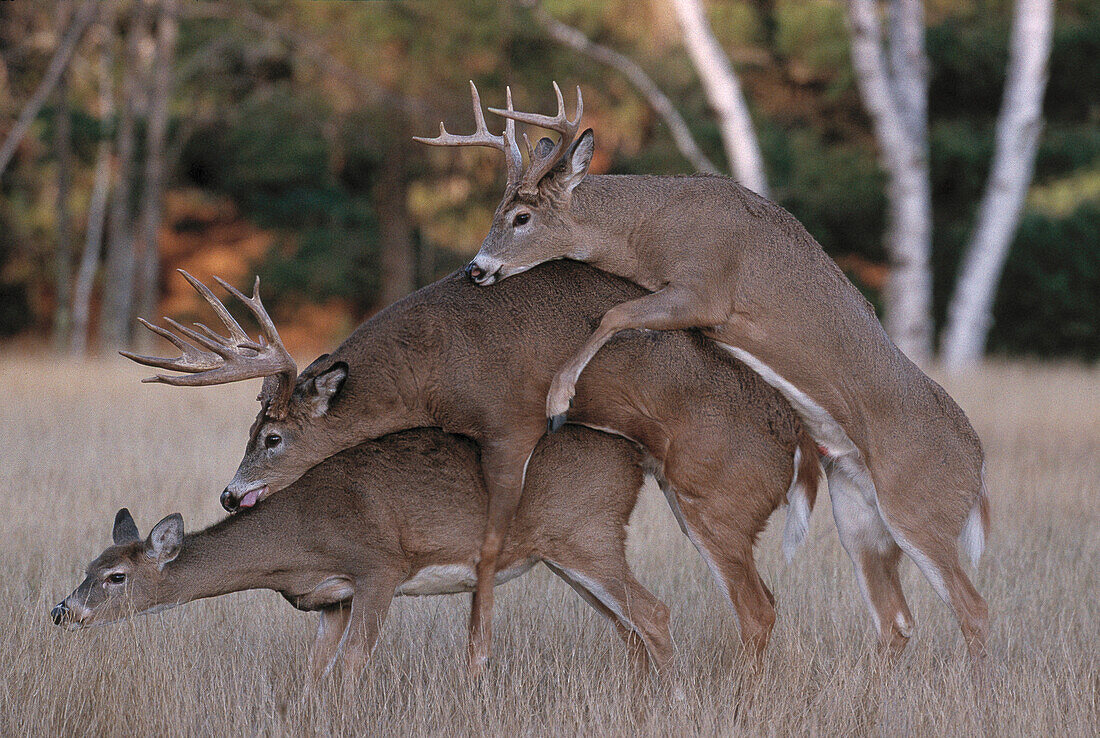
pixel 284 440
pixel 533 222
pixel 127 578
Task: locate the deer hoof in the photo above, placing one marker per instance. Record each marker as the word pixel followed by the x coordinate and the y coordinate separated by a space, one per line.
pixel 555 422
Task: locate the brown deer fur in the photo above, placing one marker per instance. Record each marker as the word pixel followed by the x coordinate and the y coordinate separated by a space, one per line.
pixel 905 466
pixel 478 363
pixel 401 515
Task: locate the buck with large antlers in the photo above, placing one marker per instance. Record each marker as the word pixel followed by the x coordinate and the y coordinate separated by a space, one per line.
pixel 403 515
pixel 905 466
pixel 478 363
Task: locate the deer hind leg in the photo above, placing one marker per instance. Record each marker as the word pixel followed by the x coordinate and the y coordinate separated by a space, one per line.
pixel 934 550
pixel 639 659
pixel 503 469
pixel 875 557
pixel 728 553
pixel 614 591
pixel 668 309
pixel 330 632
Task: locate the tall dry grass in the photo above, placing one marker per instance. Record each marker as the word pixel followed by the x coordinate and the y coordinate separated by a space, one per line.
pixel 78 442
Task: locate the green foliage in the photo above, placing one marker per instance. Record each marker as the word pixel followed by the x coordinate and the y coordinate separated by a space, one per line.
pixel 1049 300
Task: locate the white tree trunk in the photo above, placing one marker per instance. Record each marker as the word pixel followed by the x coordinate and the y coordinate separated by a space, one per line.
pixel 1017 141
pixel 895 93
pixel 101 190
pixel 724 94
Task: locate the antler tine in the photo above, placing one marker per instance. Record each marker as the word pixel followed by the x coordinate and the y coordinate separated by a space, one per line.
pixel 559 122
pixel 256 307
pixel 236 333
pixel 482 137
pixel 512 154
pixel 211 358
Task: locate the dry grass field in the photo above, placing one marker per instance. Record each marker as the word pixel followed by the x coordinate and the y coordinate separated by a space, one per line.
pixel 78 442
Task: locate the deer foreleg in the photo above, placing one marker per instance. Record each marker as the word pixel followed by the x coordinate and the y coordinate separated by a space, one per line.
pixel 369 605
pixel 671 308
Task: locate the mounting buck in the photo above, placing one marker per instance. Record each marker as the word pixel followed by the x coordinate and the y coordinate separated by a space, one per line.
pixel 726 446
pixel 905 466
pixel 403 515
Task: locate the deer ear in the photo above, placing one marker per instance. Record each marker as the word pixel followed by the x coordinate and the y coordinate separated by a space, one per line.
pixel 326 386
pixel 125 530
pixel 543 147
pixel 578 160
pixel 165 540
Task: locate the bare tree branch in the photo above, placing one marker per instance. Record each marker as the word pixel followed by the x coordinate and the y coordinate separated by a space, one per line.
pixel 1017 141
pixel 58 64
pixel 897 105
pixel 658 100
pixel 724 93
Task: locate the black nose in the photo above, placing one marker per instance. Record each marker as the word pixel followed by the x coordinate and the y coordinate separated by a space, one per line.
pixel 229 501
pixel 473 271
pixel 58 613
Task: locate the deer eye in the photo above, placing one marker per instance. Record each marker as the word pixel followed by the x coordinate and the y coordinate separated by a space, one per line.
pixel 521 219
pixel 272 440
pixel 116 578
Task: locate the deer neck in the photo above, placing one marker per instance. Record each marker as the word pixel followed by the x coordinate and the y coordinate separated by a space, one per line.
pixel 245 551
pixel 606 218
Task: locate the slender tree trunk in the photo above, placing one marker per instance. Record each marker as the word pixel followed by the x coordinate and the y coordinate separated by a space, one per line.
pixel 58 64
pixel 657 99
pixel 724 94
pixel 101 189
pixel 895 93
pixel 63 151
pixel 152 207
pixel 397 255
pixel 1017 141
pixel 118 288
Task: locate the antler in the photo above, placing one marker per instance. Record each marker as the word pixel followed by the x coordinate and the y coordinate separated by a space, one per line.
pixel 224 359
pixel 560 123
pixel 482 137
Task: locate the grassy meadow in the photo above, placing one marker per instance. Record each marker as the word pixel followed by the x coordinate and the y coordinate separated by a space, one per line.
pixel 79 441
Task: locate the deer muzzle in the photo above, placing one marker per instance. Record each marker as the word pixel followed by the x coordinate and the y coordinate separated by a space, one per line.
pixel 233 501
pixel 483 271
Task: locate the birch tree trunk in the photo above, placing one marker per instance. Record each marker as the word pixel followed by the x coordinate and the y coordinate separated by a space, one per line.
pixel 118 288
pixel 724 93
pixel 101 188
pixel 1017 141
pixel 895 93
pixel 57 66
pixel 63 151
pixel 152 202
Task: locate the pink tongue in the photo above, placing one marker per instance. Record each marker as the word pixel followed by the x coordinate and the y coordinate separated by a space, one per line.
pixel 250 498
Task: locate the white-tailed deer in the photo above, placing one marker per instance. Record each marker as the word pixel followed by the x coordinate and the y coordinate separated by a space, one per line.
pixel 905 466
pixel 478 363
pixel 403 515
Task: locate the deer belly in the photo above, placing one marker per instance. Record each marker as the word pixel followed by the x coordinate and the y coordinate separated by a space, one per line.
pixel 455 578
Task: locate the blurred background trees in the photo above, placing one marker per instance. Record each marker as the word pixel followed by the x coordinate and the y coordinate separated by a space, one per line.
pixel 240 137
